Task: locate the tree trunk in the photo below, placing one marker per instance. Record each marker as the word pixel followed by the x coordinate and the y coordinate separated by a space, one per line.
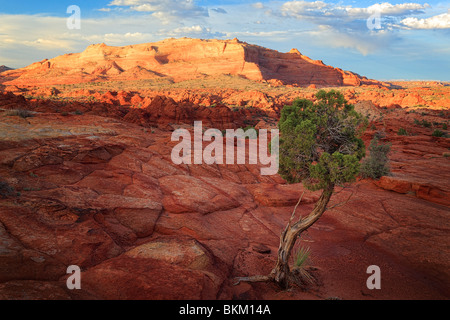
pixel 281 272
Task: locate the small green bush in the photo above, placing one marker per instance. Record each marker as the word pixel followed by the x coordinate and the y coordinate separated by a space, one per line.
pixel 402 132
pixel 380 134
pixel 426 124
pixel 438 133
pixel 423 123
pixel 376 164
pixel 444 126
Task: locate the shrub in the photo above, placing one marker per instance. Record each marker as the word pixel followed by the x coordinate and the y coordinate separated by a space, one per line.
pixel 376 164
pixel 21 113
pixel 423 123
pixel 444 126
pixel 5 189
pixel 438 133
pixel 380 134
pixel 402 132
pixel 426 124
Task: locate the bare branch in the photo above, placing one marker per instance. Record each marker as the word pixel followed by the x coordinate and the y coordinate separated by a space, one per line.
pixel 341 203
pixel 295 208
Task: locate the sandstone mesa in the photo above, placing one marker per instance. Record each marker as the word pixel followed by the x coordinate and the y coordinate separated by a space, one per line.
pixel 181 59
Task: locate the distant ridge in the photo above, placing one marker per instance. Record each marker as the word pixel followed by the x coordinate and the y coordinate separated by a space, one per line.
pixel 185 59
pixel 4 68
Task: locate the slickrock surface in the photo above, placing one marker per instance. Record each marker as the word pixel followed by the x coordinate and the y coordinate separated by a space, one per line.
pixel 98 189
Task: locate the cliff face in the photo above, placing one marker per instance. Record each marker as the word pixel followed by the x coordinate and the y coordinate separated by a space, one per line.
pixel 184 59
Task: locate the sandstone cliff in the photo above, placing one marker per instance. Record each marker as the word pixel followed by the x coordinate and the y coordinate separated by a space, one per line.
pixel 184 59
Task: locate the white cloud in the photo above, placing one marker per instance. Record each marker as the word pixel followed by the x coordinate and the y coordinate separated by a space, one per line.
pixel 327 36
pixel 441 21
pixel 196 31
pixel 165 10
pixel 258 5
pixel 320 9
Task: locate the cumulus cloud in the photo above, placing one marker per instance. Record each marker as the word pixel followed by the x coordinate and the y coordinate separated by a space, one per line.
pixel 165 10
pixel 350 39
pixel 197 31
pixel 361 28
pixel 320 9
pixel 441 21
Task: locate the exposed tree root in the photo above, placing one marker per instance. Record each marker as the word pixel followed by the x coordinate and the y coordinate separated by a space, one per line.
pixel 259 278
pixel 299 276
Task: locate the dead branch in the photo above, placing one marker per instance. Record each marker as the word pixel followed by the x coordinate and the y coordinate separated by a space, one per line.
pixel 259 278
pixel 341 203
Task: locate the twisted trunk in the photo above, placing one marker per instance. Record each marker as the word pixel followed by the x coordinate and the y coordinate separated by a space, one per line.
pixel 281 273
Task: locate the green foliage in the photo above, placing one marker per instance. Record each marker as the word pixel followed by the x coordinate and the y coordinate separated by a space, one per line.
pixel 444 126
pixel 301 257
pixel 320 142
pixel 251 128
pixel 300 263
pixel 402 132
pixel 380 134
pixel 423 123
pixel 438 133
pixel 376 164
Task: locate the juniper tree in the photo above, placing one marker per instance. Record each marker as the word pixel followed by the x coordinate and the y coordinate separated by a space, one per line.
pixel 320 146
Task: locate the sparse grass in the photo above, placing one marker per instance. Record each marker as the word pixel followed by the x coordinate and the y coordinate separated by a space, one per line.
pixel 301 260
pixel 31 189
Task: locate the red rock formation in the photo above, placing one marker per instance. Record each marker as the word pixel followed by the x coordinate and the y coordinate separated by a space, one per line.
pixel 183 59
pixel 100 191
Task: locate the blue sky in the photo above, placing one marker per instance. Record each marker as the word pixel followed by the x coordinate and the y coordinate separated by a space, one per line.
pixel 382 40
